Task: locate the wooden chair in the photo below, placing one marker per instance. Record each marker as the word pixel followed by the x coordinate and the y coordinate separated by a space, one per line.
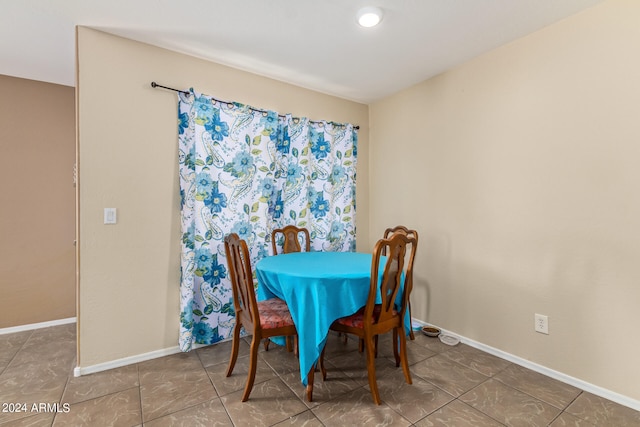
pixel 409 280
pixel 291 242
pixel 262 319
pixel 375 319
pixel 411 233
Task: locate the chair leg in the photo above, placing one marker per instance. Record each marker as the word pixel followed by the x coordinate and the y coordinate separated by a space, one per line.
pixel 253 362
pixel 234 348
pixel 403 355
pixel 371 369
pixel 411 335
pixel 395 347
pixel 361 345
pixel 310 377
pixel 375 341
pixel 321 364
pixel 289 343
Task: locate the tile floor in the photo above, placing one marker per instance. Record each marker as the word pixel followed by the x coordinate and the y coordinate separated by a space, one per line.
pixel 452 386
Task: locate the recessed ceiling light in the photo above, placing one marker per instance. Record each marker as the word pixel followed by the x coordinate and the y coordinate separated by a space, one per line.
pixel 369 16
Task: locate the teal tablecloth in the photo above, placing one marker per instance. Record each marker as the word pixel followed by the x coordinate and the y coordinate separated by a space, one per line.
pixel 318 287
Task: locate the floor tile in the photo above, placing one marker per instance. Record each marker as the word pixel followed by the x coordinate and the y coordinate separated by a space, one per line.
pixel 270 402
pixel 169 368
pixel 415 353
pixel 248 339
pixel 99 384
pixel 172 383
pixel 210 414
pixel 55 355
pixel 38 420
pixel 601 411
pixel 413 401
pixel 9 346
pixel 281 360
pixel 432 343
pixel 50 343
pixel 52 334
pixel 475 359
pixel 165 397
pixel 220 353
pixel 118 409
pixel 357 408
pixel 508 405
pixel 305 419
pixel 568 420
pixel 336 344
pixel 332 388
pixel 457 414
pixel 450 376
pixel 540 386
pixel 238 379
pixel 354 365
pixel 30 384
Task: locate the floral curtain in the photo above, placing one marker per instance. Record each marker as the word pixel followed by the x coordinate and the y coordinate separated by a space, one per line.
pixel 248 171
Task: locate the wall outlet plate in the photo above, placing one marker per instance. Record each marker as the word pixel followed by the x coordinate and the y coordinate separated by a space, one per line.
pixel 110 216
pixel 541 323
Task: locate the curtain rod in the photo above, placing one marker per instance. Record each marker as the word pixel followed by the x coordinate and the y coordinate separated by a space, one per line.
pixel 155 85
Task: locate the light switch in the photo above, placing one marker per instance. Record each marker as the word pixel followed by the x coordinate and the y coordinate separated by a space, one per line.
pixel 110 216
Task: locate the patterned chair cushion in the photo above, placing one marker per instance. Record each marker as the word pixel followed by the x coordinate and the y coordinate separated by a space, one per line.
pixel 274 313
pixel 356 320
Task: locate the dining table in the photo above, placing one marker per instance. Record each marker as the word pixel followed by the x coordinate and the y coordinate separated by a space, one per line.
pixel 319 288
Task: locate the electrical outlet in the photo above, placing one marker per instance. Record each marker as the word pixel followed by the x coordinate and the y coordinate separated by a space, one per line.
pixel 110 216
pixel 541 324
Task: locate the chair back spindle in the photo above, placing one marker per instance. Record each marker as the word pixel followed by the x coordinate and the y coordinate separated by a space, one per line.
pixel 244 296
pixel 393 277
pixel 292 239
pixel 409 269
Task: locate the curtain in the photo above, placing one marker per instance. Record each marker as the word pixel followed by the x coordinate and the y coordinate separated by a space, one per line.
pixel 248 171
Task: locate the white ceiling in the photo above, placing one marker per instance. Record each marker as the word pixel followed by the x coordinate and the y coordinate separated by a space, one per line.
pixel 311 43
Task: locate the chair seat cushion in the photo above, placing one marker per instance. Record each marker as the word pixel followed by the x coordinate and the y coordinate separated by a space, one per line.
pixel 274 313
pixel 356 320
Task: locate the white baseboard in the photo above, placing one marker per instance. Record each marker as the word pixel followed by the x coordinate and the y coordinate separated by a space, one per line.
pixel 79 371
pixel 578 383
pixel 32 326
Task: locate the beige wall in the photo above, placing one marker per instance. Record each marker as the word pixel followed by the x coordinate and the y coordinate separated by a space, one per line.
pixel 129 272
pixel 37 153
pixel 520 171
